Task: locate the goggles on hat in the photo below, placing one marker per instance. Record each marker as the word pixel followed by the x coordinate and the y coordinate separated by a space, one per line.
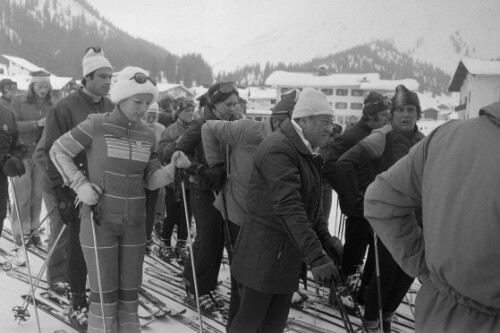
pixel 96 49
pixel 142 78
pixel 226 88
pixel 385 101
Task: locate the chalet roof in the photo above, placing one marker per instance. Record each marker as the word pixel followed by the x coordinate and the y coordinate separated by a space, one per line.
pixel 474 67
pixel 162 87
pixel 294 79
pixel 24 63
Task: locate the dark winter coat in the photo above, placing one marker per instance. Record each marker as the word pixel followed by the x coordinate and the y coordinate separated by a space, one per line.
pixel 66 114
pixel 9 136
pixel 379 156
pixel 285 224
pixel 364 174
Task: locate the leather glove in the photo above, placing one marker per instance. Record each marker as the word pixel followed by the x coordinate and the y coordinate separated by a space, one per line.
pixel 180 160
pixel 88 193
pixel 13 167
pixel 217 176
pixel 325 272
pixel 334 249
pixel 65 198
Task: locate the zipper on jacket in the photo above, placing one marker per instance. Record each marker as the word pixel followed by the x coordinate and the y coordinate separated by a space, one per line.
pixel 127 173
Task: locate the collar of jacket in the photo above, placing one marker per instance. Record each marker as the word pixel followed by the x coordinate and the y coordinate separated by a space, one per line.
pixel 290 131
pixel 117 117
pixel 89 98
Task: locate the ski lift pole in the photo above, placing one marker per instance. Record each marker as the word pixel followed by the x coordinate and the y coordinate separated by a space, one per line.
pixel 379 286
pixel 99 283
pixel 196 294
pixel 32 290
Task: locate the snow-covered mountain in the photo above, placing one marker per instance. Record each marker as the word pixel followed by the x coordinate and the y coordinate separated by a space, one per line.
pixel 437 32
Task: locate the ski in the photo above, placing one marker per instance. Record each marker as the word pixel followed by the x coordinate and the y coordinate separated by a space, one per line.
pixel 15 259
pixel 56 313
pixel 172 312
pixel 33 249
pixel 191 322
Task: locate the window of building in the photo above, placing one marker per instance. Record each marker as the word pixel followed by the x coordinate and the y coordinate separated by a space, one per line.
pixel 327 91
pixel 356 106
pixel 341 105
pixel 357 92
pixel 342 92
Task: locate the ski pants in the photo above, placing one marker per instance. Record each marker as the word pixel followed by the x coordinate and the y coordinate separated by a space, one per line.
pixel 394 283
pixel 208 244
pixel 261 312
pixel 121 255
pixel 57 268
pixel 234 300
pixel 175 216
pixel 358 235
pixel 28 189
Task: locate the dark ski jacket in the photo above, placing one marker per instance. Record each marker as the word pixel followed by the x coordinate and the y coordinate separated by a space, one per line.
pixel 285 224
pixel 364 174
pixel 66 114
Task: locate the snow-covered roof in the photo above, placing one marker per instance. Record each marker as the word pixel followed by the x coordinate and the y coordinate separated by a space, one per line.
pixel 389 85
pixel 474 67
pixel 162 87
pixel 293 79
pixel 24 63
pixel 262 93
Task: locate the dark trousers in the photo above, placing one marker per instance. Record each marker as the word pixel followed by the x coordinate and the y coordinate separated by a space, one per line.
pixel 358 235
pixel 261 312
pixel 176 216
pixel 394 284
pixel 234 300
pixel 208 244
pixel 151 198
pixel 326 198
pixel 4 198
pixel 77 267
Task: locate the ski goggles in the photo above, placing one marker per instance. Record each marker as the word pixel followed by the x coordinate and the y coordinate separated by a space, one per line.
pixel 225 88
pixel 142 78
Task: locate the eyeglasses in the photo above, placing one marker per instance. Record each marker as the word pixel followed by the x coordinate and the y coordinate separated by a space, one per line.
pixel 96 49
pixel 411 109
pixel 225 88
pixel 385 101
pixel 142 78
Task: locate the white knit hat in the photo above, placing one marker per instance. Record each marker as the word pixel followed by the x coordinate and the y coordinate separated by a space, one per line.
pixel 126 86
pixel 94 60
pixel 153 107
pixel 311 102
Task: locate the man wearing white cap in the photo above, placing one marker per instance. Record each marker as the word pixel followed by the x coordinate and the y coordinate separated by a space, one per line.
pixel 67 113
pixel 284 226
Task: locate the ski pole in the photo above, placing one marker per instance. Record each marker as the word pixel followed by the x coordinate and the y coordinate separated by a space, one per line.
pixel 99 284
pixel 34 231
pixel 44 266
pixel 379 286
pixel 26 255
pixel 183 187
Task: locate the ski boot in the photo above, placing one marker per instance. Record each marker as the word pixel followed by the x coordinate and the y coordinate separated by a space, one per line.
pixel 78 310
pixel 149 246
pixel 182 252
pixel 166 253
pixel 60 287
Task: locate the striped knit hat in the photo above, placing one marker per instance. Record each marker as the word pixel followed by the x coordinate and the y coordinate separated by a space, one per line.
pixel 403 97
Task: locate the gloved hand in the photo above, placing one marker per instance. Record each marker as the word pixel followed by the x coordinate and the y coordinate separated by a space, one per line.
pixel 325 272
pixel 180 160
pixel 217 176
pixel 13 167
pixel 88 193
pixel 65 198
pixel 334 249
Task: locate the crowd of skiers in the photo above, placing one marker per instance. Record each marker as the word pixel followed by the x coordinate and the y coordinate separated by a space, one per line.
pixel 103 156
